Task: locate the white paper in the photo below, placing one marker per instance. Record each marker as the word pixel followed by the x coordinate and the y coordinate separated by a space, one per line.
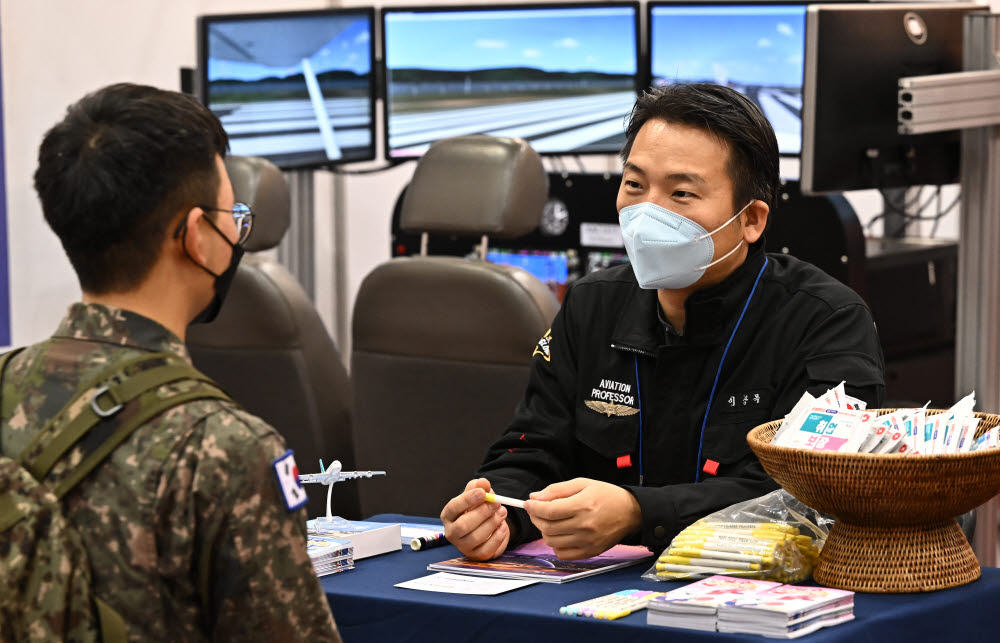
pixel 462 584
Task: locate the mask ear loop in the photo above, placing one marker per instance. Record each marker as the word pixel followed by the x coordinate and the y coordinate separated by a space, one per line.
pixel 730 220
pixel 723 257
pixel 737 247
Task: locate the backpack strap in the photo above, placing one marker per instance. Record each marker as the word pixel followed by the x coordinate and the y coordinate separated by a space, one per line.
pixel 118 391
pixel 116 369
pixel 6 357
pixel 115 391
pixel 138 392
pixel 113 629
pixel 156 406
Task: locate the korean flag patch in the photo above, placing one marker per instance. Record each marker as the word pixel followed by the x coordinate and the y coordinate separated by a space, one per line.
pixel 288 481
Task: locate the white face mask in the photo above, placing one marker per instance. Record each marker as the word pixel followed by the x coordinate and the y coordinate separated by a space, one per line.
pixel 668 250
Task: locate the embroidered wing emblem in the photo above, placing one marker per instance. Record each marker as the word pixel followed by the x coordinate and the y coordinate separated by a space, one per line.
pixel 610 408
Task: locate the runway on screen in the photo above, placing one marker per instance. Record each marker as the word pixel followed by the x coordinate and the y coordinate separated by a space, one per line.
pixel 290 127
pixel 557 124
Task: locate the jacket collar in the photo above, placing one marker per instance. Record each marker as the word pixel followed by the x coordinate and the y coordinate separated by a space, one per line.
pixel 99 323
pixel 709 312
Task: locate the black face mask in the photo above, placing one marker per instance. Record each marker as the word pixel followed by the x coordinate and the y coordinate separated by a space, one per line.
pixel 222 281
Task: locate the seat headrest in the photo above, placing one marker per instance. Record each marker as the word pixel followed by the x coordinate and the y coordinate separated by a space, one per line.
pixel 474 185
pixel 261 185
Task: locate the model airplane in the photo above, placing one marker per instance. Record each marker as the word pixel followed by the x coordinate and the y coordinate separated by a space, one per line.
pixel 333 475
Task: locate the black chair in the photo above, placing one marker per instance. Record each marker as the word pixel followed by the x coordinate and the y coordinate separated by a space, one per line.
pixel 270 350
pixel 823 230
pixel 442 345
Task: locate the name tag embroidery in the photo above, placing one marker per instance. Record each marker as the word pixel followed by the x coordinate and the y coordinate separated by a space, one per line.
pixel 753 400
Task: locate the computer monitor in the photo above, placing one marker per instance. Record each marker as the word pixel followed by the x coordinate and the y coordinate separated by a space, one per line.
pixel 855 55
pixel 561 76
pixel 294 87
pixel 756 48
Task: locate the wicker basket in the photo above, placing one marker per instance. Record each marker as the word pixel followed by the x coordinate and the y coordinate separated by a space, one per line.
pixel 895 530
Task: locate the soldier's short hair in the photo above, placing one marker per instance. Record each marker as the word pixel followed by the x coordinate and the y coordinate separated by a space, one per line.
pixel 114 173
pixel 726 114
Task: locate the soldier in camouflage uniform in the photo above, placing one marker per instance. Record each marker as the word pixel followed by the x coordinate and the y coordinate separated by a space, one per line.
pixel 130 181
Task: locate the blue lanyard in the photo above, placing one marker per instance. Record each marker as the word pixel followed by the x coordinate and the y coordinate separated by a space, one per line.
pixel 638 399
pixel 711 396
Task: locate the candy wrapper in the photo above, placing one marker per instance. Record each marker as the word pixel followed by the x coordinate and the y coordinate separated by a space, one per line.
pixel 774 537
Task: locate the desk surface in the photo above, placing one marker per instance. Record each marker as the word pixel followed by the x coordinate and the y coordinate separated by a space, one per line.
pixel 368 608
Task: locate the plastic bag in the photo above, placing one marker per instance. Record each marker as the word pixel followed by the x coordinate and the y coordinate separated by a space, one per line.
pixel 773 537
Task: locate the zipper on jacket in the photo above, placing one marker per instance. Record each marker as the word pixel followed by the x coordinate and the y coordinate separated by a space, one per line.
pixel 630 349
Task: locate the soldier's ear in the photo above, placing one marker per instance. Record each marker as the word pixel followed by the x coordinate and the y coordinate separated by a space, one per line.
pixel 191 237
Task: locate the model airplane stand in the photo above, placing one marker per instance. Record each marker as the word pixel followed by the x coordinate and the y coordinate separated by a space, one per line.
pixel 329 477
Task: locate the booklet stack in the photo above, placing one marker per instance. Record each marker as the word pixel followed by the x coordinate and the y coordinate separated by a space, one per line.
pixel 749 606
pixel 787 611
pixel 367 538
pixel 537 561
pixel 330 555
pixel 695 606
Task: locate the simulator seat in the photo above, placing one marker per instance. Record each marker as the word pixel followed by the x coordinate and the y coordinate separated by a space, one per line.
pixel 442 345
pixel 269 349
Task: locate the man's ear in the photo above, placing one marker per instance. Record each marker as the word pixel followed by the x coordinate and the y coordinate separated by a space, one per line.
pixel 754 220
pixel 192 237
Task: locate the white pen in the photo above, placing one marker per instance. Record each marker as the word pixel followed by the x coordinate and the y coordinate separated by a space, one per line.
pixel 504 500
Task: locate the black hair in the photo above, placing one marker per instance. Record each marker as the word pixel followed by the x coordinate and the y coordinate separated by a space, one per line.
pixel 728 115
pixel 116 171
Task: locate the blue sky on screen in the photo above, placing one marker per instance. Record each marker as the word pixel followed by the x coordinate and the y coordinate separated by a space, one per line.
pixel 597 39
pixel 348 50
pixel 758 45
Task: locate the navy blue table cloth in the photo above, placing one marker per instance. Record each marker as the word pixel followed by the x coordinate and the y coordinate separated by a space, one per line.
pixel 368 609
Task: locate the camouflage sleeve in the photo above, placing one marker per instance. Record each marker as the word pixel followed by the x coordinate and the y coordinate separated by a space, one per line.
pixel 263 586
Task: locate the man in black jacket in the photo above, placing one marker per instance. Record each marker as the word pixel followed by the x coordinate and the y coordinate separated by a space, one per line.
pixel 635 418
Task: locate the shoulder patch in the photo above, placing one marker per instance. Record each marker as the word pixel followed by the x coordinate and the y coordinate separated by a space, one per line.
pixel 543 347
pixel 288 481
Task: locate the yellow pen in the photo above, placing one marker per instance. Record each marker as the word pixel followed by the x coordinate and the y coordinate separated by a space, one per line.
pixel 691 552
pixel 774 526
pixel 708 562
pixel 504 500
pixel 696 569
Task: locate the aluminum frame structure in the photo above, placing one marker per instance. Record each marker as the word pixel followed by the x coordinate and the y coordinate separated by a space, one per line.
pixel 970 101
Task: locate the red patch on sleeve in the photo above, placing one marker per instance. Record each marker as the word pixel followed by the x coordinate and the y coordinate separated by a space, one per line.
pixel 624 461
pixel 711 467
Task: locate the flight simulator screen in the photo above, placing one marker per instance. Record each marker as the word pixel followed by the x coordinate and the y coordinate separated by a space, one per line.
pixel 561 77
pixel 296 88
pixel 757 49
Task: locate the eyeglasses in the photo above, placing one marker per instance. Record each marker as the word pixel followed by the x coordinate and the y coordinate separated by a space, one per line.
pixel 243 217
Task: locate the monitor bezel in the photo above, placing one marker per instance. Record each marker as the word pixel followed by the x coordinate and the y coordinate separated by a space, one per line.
pixel 723 3
pixel 807 166
pixel 383 88
pixel 201 87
